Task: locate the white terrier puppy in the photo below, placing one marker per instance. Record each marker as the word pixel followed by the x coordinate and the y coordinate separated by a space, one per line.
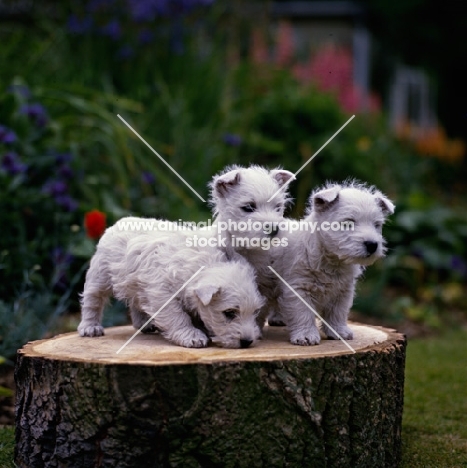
pixel 145 270
pixel 322 267
pixel 248 222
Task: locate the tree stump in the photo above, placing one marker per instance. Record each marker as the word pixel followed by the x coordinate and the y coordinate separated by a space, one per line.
pixel 80 404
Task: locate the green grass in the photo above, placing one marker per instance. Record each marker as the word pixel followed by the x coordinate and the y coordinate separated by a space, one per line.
pixel 7 443
pixel 434 431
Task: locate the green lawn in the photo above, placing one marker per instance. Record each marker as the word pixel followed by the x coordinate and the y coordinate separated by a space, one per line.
pixel 434 429
pixel 435 412
pixel 7 443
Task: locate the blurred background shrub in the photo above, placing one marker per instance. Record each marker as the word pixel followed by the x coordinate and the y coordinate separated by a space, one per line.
pixel 206 85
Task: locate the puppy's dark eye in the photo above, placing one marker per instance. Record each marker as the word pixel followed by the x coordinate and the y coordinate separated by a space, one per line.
pixel 279 208
pixel 378 225
pixel 230 314
pixel 249 208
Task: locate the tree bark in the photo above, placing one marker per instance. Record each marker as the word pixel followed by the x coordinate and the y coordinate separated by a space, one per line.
pixel 80 404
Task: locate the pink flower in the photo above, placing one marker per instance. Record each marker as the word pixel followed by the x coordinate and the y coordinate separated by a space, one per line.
pixel 303 72
pixel 285 50
pixel 350 99
pixel 332 68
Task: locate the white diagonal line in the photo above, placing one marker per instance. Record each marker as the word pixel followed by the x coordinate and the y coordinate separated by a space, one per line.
pixel 316 154
pixel 152 317
pixel 161 158
pixel 311 308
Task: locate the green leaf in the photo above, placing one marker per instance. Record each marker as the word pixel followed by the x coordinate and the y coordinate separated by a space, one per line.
pixel 84 248
pixel 6 392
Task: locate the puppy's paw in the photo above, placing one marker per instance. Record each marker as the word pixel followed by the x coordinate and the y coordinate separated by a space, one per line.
pixel 194 339
pixel 306 338
pixel 91 330
pixel 344 332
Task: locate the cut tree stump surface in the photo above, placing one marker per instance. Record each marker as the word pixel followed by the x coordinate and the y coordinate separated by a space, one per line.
pixel 152 349
pixel 154 404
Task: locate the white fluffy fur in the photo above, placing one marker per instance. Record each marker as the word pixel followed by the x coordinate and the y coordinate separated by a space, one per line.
pixel 233 190
pixel 146 269
pixel 323 266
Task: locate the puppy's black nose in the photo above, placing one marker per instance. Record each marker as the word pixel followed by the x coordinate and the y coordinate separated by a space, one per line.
pixel 245 343
pixel 274 231
pixel 370 246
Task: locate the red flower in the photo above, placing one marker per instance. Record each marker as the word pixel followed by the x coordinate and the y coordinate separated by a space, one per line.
pixel 94 222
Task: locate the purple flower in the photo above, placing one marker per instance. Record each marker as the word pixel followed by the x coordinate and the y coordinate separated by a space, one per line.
pixel 21 90
pixel 55 188
pixel 61 257
pixel 148 178
pixel 181 7
pixel 66 202
pixel 231 139
pixel 36 112
pixel 147 10
pixel 7 135
pixel 112 30
pixel 12 165
pixel 145 36
pixel 63 158
pixel 79 26
pixel 458 265
pixel 66 171
pixel 62 260
pixel 58 190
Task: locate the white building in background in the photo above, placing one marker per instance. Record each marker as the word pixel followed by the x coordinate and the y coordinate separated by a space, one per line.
pixel 411 99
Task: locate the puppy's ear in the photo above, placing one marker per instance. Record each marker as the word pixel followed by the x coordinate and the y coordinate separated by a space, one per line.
pixel 226 182
pixel 324 199
pixel 282 176
pixel 386 205
pixel 206 293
